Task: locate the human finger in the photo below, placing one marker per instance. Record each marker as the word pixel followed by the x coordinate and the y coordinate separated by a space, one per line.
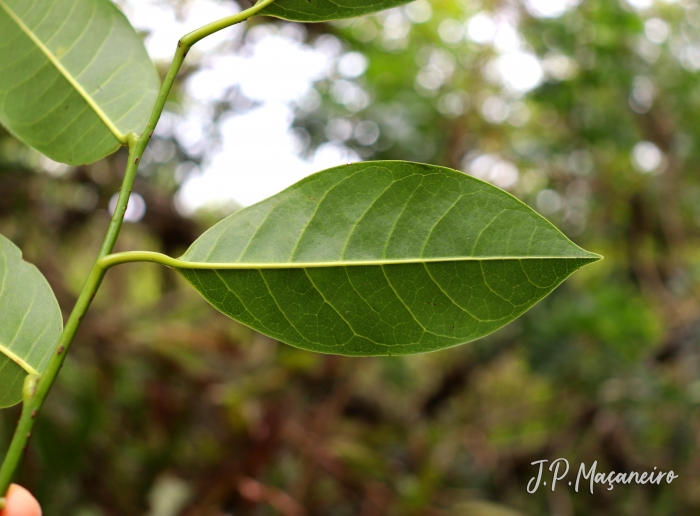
pixel 20 502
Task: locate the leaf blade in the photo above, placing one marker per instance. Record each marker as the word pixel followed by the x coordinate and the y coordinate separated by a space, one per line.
pixel 30 322
pixel 326 10
pixel 377 241
pixel 101 83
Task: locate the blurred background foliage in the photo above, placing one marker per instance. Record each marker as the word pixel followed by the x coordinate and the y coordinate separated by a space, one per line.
pixel 586 111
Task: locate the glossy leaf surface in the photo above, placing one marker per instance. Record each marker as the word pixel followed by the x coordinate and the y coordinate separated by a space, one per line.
pixel 381 258
pixel 30 322
pixel 75 78
pixel 326 10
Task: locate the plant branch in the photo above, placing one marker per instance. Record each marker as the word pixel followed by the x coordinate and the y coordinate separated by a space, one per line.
pixel 37 389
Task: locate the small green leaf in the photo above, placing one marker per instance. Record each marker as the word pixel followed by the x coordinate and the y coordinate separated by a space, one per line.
pixel 326 10
pixel 382 258
pixel 75 78
pixel 30 322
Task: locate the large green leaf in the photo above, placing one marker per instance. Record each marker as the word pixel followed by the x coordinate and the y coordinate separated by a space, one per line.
pixel 30 322
pixel 381 258
pixel 326 10
pixel 75 78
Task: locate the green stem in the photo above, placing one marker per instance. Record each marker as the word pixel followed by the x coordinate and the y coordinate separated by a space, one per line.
pixel 33 399
pixel 36 390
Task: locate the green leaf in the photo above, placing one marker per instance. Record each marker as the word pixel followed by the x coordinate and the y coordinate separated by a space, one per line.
pixel 382 258
pixel 30 322
pixel 75 78
pixel 326 10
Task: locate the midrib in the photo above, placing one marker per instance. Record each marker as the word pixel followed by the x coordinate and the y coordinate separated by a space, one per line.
pixel 19 361
pixel 73 82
